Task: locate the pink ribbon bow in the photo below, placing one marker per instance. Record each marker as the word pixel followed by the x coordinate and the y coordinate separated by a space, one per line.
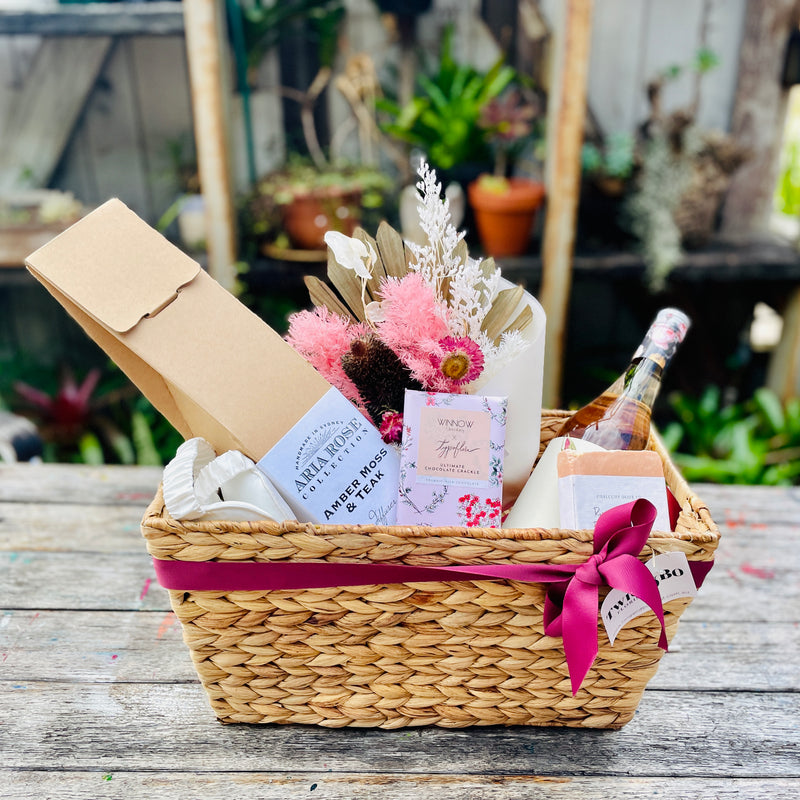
pixel 571 604
pixel 570 608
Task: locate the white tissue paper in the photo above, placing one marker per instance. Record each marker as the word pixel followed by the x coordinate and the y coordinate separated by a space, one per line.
pixel 201 486
pixel 521 382
pixel 538 505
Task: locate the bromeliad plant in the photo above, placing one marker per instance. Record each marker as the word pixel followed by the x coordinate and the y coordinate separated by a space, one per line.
pixel 425 317
pixel 91 422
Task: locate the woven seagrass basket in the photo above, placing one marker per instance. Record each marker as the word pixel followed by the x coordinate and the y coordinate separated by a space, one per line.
pixel 453 654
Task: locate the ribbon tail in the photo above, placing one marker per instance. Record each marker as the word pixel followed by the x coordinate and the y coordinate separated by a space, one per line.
pixel 699 570
pixel 580 630
pixel 552 615
pixel 628 574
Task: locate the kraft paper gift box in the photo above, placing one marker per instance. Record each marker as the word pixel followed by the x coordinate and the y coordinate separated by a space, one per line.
pixel 211 366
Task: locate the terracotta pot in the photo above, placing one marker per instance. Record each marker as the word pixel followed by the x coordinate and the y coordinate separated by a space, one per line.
pixel 309 216
pixel 505 218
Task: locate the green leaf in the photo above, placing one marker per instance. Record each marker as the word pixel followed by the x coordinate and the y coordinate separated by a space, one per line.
pixel 436 95
pixel 769 404
pixel 709 402
pixel 146 450
pixel 459 81
pixel 705 60
pixel 495 84
pixel 671 435
pixel 90 450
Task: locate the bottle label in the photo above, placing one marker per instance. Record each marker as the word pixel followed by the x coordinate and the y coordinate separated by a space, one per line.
pixel 674 579
pixel 333 467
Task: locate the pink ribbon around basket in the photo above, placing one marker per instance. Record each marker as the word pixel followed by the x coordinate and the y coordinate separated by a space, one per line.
pixel 571 602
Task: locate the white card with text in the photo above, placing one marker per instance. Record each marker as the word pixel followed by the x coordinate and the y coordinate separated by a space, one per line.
pixel 674 579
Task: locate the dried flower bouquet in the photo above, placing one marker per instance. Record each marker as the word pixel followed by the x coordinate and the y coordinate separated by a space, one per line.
pixel 401 315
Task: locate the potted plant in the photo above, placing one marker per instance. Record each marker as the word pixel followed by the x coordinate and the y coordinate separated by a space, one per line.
pixel 297 205
pixel 443 119
pixel 505 208
pixel 30 218
pixel 683 173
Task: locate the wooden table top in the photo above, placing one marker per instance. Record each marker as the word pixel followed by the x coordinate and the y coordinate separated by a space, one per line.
pixel 99 697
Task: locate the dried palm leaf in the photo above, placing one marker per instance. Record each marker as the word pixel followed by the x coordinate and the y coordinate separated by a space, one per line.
pixel 348 284
pixel 322 295
pixel 522 321
pixel 392 251
pixel 500 313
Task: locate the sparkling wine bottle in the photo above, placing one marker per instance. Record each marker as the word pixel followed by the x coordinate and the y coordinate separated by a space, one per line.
pixel 619 418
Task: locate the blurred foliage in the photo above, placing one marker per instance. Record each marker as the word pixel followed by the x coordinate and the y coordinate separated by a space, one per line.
pixel 756 441
pixel 787 193
pixel 612 158
pixel 444 116
pixel 266 21
pixel 97 418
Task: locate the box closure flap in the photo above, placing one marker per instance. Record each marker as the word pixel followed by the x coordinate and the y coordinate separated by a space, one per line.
pixel 81 261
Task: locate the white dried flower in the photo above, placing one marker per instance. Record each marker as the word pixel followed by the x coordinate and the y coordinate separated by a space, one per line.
pixel 352 253
pixel 471 288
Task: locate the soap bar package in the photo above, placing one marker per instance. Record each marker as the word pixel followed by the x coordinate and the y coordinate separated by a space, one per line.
pixel 205 361
pixel 334 466
pixel 592 482
pixel 451 462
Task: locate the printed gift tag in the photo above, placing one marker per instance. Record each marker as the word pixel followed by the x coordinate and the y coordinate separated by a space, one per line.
pixel 451 462
pixel 674 579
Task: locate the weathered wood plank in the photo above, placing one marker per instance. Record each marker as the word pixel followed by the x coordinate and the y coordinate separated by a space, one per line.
pixel 734 506
pixel 147 646
pixel 566 112
pixel 43 581
pixel 70 526
pixel 724 36
pixel 759 112
pixel 205 37
pixel 44 107
pixel 112 126
pixel 714 656
pixel 615 85
pixel 87 486
pixel 161 81
pixel 113 727
pixel 25 785
pixel 99 19
pixel 94 646
pixel 668 39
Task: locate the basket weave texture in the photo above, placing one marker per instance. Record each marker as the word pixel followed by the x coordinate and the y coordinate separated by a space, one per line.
pixel 453 654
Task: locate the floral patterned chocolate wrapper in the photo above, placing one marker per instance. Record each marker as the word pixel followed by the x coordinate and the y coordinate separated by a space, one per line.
pixel 451 460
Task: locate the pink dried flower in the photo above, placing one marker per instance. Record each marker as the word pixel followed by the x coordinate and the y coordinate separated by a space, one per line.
pixel 322 338
pixel 462 360
pixel 413 322
pixel 413 318
pixel 391 428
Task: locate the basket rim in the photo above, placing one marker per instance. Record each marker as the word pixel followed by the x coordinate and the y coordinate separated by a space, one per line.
pixel 157 521
pixel 703 531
